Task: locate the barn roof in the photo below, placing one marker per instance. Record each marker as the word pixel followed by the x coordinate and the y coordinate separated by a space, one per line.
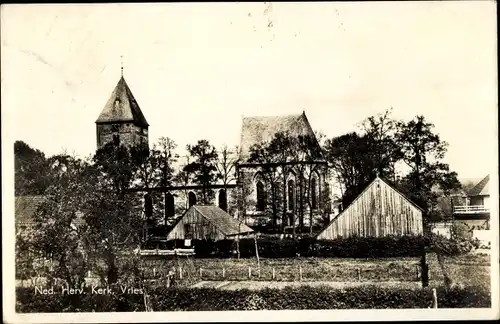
pixel 122 107
pixel 224 222
pixel 361 194
pixel 482 188
pixel 258 129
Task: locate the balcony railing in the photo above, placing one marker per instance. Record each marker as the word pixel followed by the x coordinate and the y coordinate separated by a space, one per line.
pixel 471 209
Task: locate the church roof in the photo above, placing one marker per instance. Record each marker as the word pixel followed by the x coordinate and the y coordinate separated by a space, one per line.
pixel 482 188
pixel 122 107
pixel 255 130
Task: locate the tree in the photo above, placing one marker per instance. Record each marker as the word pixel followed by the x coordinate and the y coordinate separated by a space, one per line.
pixel 32 176
pixel 306 154
pixel 54 235
pixel 380 134
pixel 349 158
pixel 269 172
pixel 422 150
pixel 226 167
pixel 203 167
pixel 163 158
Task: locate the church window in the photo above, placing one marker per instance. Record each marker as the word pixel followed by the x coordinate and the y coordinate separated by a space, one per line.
pixel 291 195
pixel 223 200
pixel 261 196
pixel 191 199
pixel 314 197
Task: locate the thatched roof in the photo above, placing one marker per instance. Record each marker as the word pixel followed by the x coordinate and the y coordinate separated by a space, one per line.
pixel 122 107
pixel 255 130
pixel 224 222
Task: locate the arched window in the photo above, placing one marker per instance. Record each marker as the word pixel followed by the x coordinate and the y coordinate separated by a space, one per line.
pixel 191 199
pixel 169 206
pixel 148 206
pixel 261 196
pixel 314 197
pixel 291 195
pixel 223 200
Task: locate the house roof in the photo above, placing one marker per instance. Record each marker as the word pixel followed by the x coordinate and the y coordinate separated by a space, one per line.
pixel 258 129
pixel 26 206
pixel 122 107
pixel 228 225
pixel 482 188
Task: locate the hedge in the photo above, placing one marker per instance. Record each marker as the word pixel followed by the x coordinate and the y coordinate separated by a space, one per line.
pixel 297 298
pixel 348 247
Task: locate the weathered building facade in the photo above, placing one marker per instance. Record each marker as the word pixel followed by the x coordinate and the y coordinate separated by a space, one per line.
pixel 378 211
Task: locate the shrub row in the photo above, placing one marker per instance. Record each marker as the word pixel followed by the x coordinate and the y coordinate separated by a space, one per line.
pixel 210 299
pixel 349 247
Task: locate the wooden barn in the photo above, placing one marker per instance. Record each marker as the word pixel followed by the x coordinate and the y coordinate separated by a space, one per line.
pixel 380 210
pixel 207 223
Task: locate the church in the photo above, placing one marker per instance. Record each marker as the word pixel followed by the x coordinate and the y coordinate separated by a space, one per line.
pixel 249 197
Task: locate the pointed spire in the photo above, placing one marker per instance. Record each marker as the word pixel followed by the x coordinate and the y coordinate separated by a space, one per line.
pixel 121 56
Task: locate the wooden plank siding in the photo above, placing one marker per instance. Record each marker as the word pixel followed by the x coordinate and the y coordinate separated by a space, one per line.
pixel 378 211
pixel 201 228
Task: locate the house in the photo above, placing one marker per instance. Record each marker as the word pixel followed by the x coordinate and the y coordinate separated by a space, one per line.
pixel 25 209
pixel 299 196
pixel 475 213
pixel 207 223
pixel 379 210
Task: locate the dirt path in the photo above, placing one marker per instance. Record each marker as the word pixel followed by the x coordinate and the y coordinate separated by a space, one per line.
pixel 255 285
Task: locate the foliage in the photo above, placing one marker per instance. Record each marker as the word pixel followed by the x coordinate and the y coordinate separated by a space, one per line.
pixel 289 298
pixel 422 150
pixel 32 170
pixel 203 167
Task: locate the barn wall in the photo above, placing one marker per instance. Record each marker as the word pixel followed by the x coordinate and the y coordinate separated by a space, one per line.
pixel 379 211
pixel 201 228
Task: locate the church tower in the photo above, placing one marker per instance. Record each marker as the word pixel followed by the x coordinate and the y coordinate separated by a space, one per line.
pixel 121 120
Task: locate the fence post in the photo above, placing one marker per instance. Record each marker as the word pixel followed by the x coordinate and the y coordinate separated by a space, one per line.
pixel 249 272
pixel 300 272
pixel 180 273
pixel 154 272
pixel 274 274
pixel 223 273
pixel 201 272
pixel 359 274
pixel 417 271
pixel 434 298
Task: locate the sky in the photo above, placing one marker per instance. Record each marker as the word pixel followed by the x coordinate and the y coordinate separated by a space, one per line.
pixel 195 69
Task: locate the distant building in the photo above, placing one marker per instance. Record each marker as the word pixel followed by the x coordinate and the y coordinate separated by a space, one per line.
pixel 121 120
pixel 262 129
pixel 25 209
pixel 207 223
pixel 476 211
pixel 378 211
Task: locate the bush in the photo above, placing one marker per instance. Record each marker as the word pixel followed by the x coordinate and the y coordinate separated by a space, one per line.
pixel 456 245
pixel 304 297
